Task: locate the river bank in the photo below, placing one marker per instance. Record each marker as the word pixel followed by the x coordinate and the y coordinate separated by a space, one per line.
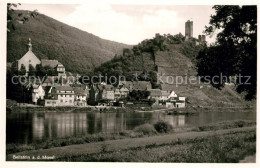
pixel 128 108
pixel 224 145
pixel 143 131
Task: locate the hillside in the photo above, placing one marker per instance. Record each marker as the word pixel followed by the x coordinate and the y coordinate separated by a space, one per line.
pixel 77 50
pixel 170 56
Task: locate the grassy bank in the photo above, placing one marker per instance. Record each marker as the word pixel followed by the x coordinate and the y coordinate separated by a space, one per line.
pixel 24 109
pixel 160 128
pixel 220 149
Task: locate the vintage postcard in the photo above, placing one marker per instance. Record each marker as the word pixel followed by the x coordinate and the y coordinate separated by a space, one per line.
pixel 128 81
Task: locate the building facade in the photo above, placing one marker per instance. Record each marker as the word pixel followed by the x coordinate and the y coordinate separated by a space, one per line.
pixel 37 93
pixel 28 59
pixel 61 96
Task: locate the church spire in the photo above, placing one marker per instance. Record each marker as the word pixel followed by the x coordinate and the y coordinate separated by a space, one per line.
pixel 30 45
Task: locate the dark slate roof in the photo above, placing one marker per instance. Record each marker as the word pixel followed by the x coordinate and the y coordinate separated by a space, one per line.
pixel 165 93
pixel 64 88
pixel 48 80
pixel 79 91
pixel 108 87
pixel 155 92
pixel 51 63
pixel 141 85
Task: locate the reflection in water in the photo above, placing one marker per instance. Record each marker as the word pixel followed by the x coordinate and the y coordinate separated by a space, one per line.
pixel 32 127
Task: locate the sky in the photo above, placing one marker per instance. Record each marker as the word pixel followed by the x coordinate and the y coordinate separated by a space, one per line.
pixel 129 24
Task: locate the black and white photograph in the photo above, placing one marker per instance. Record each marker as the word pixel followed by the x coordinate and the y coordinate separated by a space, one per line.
pixel 129 82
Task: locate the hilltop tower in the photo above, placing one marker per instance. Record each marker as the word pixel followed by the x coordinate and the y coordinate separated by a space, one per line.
pixel 189 29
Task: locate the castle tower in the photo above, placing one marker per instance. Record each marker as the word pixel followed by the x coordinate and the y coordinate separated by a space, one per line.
pixel 189 29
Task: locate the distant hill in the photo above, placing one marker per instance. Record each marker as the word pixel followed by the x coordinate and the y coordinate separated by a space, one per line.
pixel 169 55
pixel 77 50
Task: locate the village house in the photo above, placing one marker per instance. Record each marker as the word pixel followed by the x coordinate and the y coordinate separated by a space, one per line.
pixel 55 64
pixel 117 94
pixel 155 94
pixel 165 95
pixel 107 92
pixel 61 96
pixel 86 89
pixel 28 59
pixel 177 102
pixel 121 92
pixel 38 92
pixel 124 92
pixel 80 97
pixel 180 103
pixel 172 95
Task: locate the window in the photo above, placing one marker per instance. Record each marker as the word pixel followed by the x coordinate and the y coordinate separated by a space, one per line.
pixel 61 101
pixel 48 102
pixel 70 101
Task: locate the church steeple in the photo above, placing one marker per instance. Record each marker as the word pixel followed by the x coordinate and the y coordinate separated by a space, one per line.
pixel 30 45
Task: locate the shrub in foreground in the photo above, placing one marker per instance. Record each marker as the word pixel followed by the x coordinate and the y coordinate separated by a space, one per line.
pixel 162 127
pixel 146 129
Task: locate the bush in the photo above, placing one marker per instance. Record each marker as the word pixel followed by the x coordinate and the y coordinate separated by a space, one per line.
pixel 146 129
pixel 13 148
pixel 162 127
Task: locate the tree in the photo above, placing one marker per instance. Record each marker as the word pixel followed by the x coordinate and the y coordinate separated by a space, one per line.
pixel 22 70
pixel 32 71
pixel 21 18
pixel 235 50
pixel 40 71
pixel 14 68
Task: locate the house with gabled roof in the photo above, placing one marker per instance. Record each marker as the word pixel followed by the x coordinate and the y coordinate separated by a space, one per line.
pixel 136 85
pixel 155 94
pixel 37 93
pixel 107 92
pixel 55 64
pixel 80 97
pixel 61 96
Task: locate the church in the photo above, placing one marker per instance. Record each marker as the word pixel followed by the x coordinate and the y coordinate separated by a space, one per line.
pixel 28 58
pixel 31 59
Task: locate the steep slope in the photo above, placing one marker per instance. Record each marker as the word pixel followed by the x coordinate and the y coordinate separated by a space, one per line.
pixel 78 50
pixel 173 63
pixel 178 72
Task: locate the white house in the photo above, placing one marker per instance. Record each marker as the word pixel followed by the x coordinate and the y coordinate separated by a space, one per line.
pixel 37 93
pixel 61 96
pixel 180 103
pixel 172 95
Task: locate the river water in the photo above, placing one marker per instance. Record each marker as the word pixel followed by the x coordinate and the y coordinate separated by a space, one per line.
pixel 34 126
